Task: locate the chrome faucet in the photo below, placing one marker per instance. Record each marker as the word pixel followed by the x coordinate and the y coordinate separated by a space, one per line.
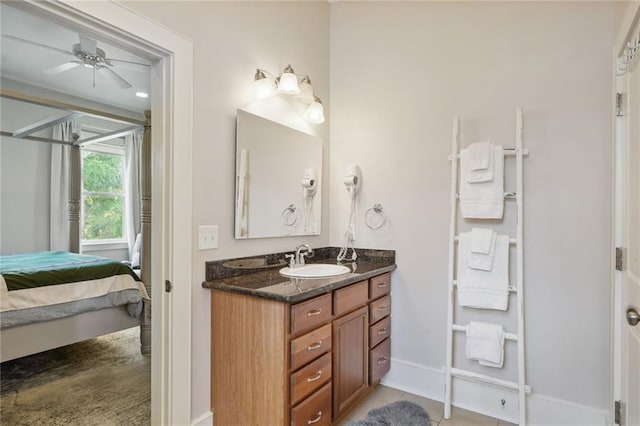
pixel 300 254
pixel 297 259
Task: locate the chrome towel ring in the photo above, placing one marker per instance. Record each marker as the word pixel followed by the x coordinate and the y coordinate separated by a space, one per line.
pixel 375 217
pixel 290 215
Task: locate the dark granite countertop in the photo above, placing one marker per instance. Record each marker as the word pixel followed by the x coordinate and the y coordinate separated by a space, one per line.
pixel 269 284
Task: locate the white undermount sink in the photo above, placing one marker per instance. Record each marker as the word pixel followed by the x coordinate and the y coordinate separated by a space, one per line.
pixel 315 270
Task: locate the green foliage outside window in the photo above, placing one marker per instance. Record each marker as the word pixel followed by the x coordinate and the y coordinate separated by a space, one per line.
pixel 102 179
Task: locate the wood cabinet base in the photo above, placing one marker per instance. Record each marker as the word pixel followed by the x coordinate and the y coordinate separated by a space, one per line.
pixel 278 364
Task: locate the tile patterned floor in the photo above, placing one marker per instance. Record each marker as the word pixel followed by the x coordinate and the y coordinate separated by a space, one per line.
pixel 383 395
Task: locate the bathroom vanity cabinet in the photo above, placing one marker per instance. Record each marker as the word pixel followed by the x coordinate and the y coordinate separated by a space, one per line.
pixel 276 363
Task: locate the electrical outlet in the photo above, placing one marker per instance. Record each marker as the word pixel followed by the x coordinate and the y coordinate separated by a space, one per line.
pixel 208 237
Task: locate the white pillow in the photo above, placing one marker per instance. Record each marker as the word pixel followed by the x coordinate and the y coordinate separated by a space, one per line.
pixel 135 252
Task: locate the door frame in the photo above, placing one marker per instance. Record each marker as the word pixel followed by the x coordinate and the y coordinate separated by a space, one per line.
pixel 627 25
pixel 172 139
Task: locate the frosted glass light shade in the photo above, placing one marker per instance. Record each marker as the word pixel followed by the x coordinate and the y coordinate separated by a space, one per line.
pixel 315 112
pixel 306 90
pixel 263 88
pixel 288 83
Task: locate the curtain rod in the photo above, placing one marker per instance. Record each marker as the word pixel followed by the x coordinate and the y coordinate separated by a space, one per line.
pixel 37 139
pixel 9 94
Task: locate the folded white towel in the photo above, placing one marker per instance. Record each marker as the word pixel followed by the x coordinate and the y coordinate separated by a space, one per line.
pixel 479 162
pixel 482 240
pixel 482 289
pixel 482 200
pixel 483 249
pixel 485 343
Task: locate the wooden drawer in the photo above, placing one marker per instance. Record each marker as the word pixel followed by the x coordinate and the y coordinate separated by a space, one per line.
pixel 379 286
pixel 349 298
pixel 379 361
pixel 315 410
pixel 379 309
pixel 311 313
pixel 379 331
pixel 311 345
pixel 308 379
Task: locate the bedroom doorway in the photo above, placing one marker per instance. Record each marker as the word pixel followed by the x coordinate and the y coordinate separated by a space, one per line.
pixel 171 94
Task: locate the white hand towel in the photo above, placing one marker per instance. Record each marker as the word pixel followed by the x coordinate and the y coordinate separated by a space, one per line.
pixel 482 200
pixel 482 289
pixel 485 343
pixel 481 240
pixel 479 162
pixel 483 249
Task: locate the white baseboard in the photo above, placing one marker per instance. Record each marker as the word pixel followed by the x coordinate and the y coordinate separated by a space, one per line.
pixel 486 399
pixel 204 420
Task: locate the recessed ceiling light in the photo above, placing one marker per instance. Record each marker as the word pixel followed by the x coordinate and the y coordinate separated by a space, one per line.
pixel 142 94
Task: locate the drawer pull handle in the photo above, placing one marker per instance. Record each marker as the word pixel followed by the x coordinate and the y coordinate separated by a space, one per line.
pixel 381 285
pixel 316 419
pixel 314 346
pixel 382 331
pixel 383 308
pixel 316 377
pixel 314 312
pixel 382 360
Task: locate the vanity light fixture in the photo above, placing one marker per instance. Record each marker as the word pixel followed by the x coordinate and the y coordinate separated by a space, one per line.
pixel 287 84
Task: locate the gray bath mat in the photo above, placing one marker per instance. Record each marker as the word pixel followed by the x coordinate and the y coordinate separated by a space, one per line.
pixel 399 413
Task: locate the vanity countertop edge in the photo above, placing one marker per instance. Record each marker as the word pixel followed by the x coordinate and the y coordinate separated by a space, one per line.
pixel 271 285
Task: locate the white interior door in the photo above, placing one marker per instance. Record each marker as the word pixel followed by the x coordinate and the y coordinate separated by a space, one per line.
pixel 631 272
pixel 628 215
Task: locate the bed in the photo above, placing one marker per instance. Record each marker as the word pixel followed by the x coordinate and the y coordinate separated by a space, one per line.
pixel 43 289
pixel 53 329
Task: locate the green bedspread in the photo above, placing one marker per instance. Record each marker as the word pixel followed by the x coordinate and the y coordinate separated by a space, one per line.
pixel 22 271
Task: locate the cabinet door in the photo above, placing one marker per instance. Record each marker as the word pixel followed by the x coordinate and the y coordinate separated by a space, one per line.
pixel 351 358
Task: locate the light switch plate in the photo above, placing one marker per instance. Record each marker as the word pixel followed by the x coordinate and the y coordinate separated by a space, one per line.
pixel 208 237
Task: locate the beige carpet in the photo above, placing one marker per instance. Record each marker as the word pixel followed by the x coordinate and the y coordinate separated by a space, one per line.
pixel 103 381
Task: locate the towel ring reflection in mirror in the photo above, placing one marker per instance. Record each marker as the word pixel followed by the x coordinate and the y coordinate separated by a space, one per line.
pixel 290 215
pixel 375 217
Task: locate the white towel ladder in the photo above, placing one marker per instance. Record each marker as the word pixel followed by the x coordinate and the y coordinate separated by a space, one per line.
pixel 450 371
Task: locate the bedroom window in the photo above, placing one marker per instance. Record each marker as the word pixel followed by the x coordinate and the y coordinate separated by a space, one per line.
pixel 103 194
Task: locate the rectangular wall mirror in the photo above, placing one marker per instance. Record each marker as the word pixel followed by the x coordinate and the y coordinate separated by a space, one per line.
pixel 278 179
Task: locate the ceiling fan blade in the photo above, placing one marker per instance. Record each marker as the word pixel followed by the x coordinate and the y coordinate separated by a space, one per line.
pixel 87 44
pixel 33 43
pixel 125 62
pixel 61 68
pixel 113 76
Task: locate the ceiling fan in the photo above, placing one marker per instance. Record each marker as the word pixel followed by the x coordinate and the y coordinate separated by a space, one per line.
pixel 88 54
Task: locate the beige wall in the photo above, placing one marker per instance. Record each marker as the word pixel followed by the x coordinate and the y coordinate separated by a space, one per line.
pixel 399 73
pixel 24 215
pixel 232 39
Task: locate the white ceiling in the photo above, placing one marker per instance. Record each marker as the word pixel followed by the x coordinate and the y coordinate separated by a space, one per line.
pixel 25 62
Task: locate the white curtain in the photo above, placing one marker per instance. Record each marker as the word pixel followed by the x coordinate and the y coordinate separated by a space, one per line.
pixel 60 165
pixel 133 203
